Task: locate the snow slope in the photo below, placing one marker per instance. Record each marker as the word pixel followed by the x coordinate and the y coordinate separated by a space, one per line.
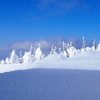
pixel 87 60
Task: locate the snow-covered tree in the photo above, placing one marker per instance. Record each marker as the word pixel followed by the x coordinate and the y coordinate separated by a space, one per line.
pixel 84 44
pixel 20 58
pixel 28 56
pixel 3 62
pixel 94 44
pixel 33 54
pixel 31 50
pixel 7 60
pixel 98 46
pixel 65 49
pixel 38 53
pixel 13 57
pixel 53 50
pixel 72 50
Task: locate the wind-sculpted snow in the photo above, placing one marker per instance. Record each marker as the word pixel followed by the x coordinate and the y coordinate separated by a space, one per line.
pixel 68 57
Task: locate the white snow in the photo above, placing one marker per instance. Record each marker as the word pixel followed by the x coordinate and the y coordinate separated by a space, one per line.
pixel 13 58
pixel 69 57
pixel 38 53
pixel 50 84
pixel 88 60
pixel 27 57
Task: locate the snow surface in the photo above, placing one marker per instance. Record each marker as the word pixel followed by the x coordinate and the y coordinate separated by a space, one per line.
pixel 68 58
pixel 50 84
pixel 70 74
pixel 88 60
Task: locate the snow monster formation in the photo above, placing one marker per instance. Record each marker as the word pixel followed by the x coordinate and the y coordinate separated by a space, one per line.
pixel 67 50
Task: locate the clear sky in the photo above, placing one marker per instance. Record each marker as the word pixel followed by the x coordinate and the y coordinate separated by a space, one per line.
pixel 33 20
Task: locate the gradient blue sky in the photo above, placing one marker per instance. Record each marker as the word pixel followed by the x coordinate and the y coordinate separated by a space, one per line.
pixel 36 20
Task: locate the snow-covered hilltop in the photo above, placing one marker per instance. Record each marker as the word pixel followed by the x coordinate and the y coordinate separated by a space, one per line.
pixel 67 51
pixel 66 57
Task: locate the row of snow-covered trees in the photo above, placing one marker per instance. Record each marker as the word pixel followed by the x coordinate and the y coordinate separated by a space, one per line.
pixel 30 56
pixel 34 54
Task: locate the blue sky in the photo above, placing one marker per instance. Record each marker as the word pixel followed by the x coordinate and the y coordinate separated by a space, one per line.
pixel 33 21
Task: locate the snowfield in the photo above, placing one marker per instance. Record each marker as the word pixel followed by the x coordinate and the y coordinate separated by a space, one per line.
pixel 68 57
pixel 67 74
pixel 88 60
pixel 50 84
